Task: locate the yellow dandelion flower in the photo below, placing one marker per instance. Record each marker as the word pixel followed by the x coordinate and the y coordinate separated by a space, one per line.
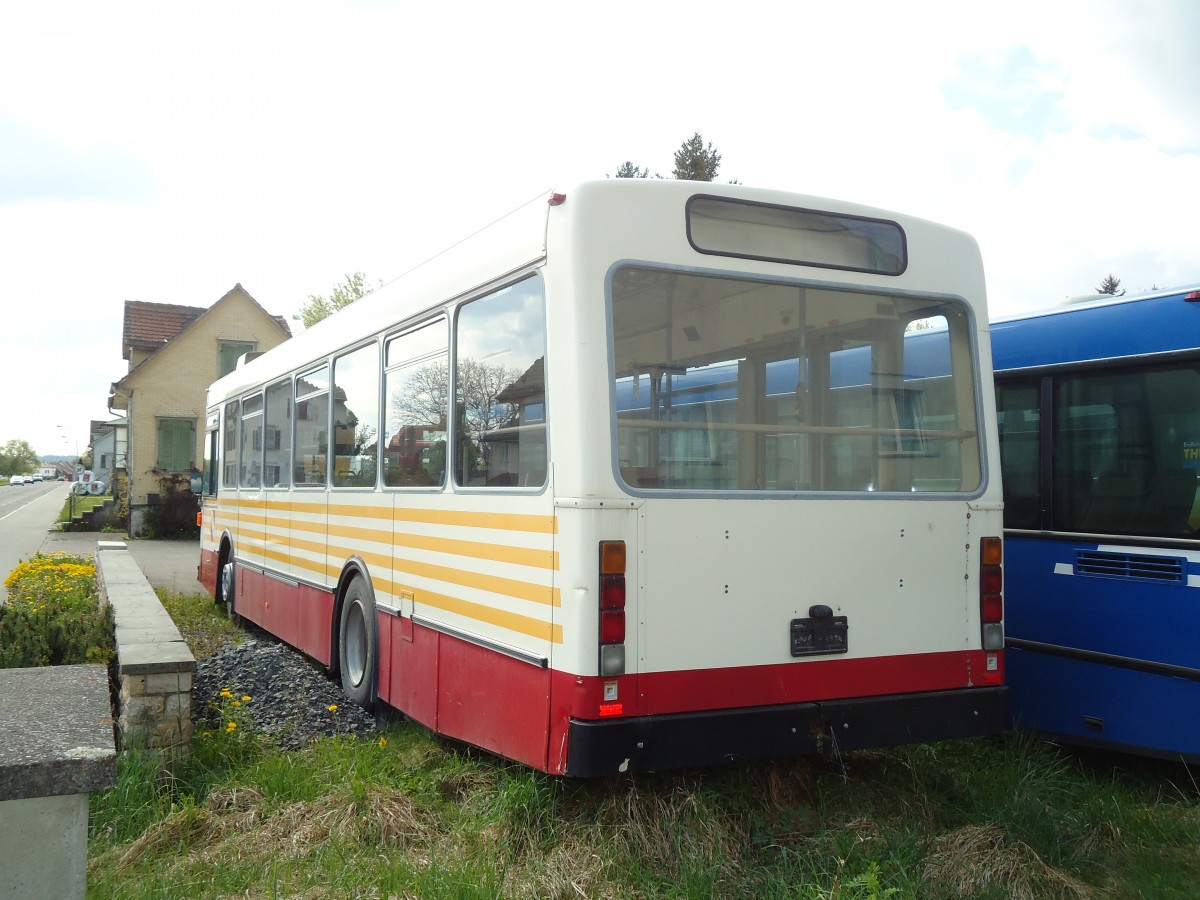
pixel 383 742
pixel 230 727
pixel 245 698
pixel 332 707
pixel 237 702
pixel 226 693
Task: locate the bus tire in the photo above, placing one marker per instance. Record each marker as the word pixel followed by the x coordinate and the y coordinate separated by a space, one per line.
pixel 225 588
pixel 358 648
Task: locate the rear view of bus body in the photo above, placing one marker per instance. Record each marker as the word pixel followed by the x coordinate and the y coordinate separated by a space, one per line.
pixel 648 475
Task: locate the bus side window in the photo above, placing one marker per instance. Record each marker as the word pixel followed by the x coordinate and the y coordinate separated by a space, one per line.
pixel 500 389
pixel 355 398
pixel 1019 418
pixel 416 407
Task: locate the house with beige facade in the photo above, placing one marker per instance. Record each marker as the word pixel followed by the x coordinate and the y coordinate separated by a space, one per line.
pixel 174 354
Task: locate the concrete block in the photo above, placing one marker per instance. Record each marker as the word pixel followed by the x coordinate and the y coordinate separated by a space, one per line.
pixel 61 747
pixel 43 847
pixel 146 659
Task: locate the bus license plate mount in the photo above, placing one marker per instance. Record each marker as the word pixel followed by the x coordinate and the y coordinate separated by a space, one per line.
pixel 820 633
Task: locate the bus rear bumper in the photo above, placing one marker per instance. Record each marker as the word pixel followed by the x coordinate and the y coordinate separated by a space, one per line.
pixel 656 743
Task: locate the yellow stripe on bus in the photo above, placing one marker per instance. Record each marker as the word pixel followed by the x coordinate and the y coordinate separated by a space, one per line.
pixel 523 556
pixel 507 587
pixel 534 524
pixel 522 590
pixel 536 628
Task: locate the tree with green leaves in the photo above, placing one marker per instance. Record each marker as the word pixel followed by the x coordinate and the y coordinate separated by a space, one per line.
pixel 1110 286
pixel 17 457
pixel 628 170
pixel 317 307
pixel 695 160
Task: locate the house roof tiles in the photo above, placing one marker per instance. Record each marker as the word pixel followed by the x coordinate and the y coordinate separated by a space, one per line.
pixel 150 325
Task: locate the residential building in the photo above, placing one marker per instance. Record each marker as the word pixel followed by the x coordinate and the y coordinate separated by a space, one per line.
pixel 175 353
pixel 109 440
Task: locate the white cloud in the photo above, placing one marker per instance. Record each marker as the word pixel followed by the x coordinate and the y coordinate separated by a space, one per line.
pixel 165 152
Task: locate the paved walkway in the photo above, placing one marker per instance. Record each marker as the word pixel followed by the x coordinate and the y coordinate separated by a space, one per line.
pixel 169 564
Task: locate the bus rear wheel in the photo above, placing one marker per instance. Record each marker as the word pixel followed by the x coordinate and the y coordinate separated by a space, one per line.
pixel 358 648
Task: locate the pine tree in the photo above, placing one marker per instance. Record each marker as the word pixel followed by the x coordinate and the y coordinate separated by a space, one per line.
pixel 1110 286
pixel 696 161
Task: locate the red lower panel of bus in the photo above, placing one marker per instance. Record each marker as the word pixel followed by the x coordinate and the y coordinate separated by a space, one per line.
pixel 208 570
pixel 671 692
pixel 465 691
pixel 301 615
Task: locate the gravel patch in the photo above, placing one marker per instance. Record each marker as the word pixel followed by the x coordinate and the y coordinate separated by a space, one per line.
pixel 290 695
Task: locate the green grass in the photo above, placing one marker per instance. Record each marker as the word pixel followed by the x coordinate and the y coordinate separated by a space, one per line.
pixel 411 815
pixel 81 503
pixel 203 625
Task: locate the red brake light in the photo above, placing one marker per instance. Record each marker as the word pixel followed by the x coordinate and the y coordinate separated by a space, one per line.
pixel 612 591
pixel 612 626
pixel 992 608
pixel 991 580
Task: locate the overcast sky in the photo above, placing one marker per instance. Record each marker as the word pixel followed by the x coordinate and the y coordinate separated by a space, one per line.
pixel 167 151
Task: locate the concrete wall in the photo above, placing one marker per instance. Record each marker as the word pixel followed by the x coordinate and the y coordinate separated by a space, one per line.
pixel 154 663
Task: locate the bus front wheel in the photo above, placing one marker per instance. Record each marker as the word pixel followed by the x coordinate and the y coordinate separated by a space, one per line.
pixel 358 647
pixel 225 591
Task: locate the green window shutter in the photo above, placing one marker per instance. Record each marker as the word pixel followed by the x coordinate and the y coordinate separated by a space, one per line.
pixel 176 444
pixel 230 352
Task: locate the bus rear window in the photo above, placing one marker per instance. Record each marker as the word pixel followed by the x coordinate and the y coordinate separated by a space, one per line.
pixel 725 384
pixel 808 237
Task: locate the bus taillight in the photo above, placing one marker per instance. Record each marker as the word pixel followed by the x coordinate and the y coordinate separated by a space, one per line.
pixel 991 592
pixel 612 607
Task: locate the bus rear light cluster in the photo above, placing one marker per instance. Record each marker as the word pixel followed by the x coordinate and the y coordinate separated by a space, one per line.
pixel 612 608
pixel 991 592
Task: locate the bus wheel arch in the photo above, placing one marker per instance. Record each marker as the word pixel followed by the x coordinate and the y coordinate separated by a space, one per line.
pixel 357 641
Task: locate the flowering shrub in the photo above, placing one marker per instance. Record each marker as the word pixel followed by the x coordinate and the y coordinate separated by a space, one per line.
pixel 52 616
pixel 226 730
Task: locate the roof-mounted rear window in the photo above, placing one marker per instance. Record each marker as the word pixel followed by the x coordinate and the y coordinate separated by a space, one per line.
pixel 804 237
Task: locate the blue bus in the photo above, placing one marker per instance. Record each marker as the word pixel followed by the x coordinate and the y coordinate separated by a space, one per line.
pixel 1099 418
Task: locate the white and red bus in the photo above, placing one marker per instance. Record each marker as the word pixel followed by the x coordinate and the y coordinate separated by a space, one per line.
pixel 648 474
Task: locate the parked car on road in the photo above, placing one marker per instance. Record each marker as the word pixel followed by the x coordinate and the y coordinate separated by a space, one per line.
pixel 16 479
